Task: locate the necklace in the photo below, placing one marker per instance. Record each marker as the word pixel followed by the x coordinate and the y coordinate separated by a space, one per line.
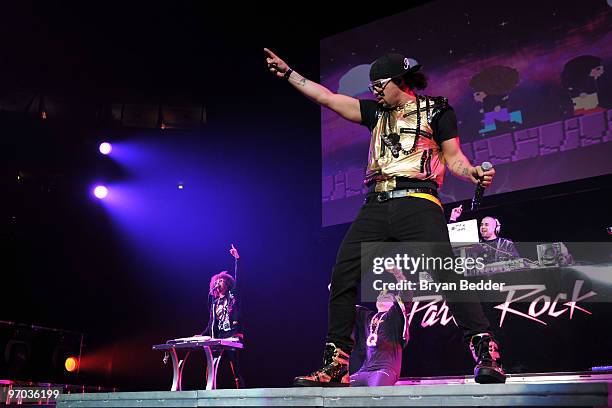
pixel 392 140
pixel 373 337
pixel 403 105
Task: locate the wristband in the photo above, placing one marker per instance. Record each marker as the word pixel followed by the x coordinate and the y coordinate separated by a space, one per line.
pixel 287 74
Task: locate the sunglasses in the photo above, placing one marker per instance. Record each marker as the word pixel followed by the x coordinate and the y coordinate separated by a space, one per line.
pixel 379 85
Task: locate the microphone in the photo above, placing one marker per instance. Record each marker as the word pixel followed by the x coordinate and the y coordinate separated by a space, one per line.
pixel 486 166
pixel 215 286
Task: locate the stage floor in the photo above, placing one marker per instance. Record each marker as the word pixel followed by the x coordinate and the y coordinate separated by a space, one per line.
pixel 554 389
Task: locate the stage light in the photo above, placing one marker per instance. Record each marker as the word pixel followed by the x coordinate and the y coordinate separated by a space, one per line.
pixel 181 186
pixel 105 148
pixel 100 192
pixel 71 364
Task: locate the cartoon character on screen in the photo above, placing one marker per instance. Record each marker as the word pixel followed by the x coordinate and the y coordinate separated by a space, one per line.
pixel 579 77
pixel 492 87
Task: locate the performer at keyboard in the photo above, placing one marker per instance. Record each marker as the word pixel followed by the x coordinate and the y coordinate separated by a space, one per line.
pixel 224 320
pixel 383 335
pixel 492 247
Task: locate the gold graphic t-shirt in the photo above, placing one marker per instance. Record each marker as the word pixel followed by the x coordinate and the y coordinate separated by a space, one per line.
pixel 406 141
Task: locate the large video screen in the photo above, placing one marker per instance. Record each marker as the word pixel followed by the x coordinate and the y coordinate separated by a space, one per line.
pixel 530 83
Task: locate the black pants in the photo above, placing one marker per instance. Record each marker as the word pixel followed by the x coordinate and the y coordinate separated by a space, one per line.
pixel 233 358
pixel 409 219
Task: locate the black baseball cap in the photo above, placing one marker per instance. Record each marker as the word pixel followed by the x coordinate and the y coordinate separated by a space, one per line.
pixel 392 66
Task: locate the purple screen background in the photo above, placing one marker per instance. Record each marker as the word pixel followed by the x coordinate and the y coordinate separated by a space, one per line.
pixel 454 42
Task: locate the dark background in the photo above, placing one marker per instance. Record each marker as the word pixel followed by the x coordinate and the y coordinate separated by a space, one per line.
pixel 69 266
